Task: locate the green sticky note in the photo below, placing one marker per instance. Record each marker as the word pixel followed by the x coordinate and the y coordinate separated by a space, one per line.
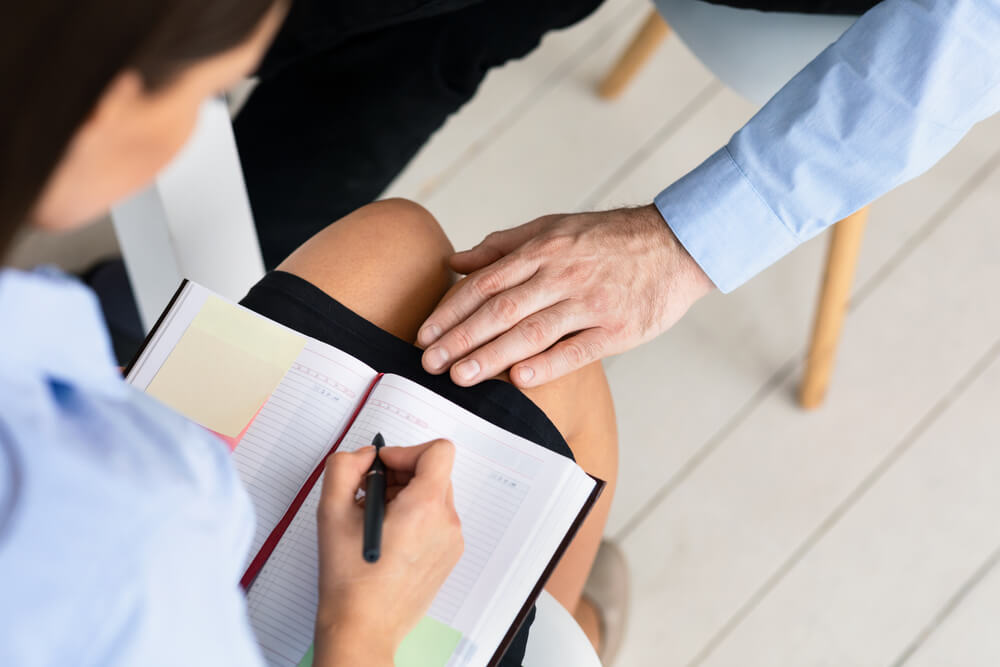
pixel 430 644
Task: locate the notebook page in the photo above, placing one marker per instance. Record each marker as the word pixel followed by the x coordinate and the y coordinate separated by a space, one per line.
pixel 524 574
pixel 504 488
pixel 295 427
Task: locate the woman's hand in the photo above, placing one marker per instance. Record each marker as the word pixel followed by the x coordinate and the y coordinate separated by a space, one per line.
pixel 366 609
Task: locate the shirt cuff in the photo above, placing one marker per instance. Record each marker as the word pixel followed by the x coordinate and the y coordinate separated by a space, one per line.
pixel 721 220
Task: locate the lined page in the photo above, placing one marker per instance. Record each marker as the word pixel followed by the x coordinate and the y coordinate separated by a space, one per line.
pixel 295 430
pixel 506 488
pixel 297 424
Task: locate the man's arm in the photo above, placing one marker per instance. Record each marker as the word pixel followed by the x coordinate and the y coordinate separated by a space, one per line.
pixel 878 107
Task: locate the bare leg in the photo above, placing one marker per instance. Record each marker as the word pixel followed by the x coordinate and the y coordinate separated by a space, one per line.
pixel 580 406
pixel 387 263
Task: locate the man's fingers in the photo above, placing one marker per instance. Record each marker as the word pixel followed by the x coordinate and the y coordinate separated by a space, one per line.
pixel 497 316
pixel 529 337
pixel 466 298
pixel 496 245
pixel 344 471
pixel 565 357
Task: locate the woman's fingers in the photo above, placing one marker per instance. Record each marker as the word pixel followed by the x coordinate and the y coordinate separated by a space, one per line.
pixel 344 471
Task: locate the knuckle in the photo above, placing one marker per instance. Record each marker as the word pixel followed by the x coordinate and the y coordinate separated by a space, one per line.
pixel 575 272
pixel 535 331
pixel 490 357
pixel 461 339
pixel 504 308
pixel 487 284
pixel 553 245
pixel 575 354
pixel 579 353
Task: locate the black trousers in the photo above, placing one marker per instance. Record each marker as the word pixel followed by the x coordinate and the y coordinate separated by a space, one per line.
pixel 351 90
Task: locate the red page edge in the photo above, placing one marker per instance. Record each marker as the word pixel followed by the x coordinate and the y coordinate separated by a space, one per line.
pixel 274 537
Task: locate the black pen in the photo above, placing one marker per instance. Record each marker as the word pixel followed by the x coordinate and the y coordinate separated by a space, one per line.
pixel 374 504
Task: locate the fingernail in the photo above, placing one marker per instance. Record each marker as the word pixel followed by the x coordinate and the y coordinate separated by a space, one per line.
pixel 467 370
pixel 429 334
pixel 525 373
pixel 437 357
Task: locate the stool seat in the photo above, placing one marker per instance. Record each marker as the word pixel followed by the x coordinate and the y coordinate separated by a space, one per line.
pixel 754 53
pixel 556 639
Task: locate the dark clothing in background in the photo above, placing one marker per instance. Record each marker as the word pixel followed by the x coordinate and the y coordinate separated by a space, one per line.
pixel 351 90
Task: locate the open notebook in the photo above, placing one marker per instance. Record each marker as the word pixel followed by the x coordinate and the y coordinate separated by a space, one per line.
pixel 284 401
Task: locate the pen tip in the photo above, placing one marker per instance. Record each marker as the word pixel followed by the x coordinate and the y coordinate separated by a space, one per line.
pixel 378 441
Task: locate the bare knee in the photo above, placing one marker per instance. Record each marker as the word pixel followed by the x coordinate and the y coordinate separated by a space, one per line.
pixel 386 261
pixel 405 224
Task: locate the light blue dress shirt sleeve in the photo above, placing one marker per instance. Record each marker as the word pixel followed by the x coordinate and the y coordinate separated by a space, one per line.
pixel 875 109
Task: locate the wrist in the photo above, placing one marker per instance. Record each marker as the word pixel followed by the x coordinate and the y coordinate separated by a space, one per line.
pixel 683 264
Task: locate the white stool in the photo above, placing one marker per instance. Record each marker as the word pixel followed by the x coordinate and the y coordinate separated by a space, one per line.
pixel 556 639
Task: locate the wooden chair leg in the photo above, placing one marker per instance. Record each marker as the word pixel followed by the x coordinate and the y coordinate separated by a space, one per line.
pixel 653 31
pixel 835 293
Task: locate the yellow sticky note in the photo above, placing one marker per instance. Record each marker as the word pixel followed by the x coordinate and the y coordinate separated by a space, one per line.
pixel 227 363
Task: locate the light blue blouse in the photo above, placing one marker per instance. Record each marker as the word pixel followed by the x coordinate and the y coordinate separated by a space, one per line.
pixel 123 527
pixel 878 107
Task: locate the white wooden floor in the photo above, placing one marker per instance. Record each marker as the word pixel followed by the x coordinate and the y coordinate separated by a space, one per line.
pixel 866 533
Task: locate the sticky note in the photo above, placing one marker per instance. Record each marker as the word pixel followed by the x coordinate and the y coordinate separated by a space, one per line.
pixel 233 442
pixel 225 366
pixel 430 644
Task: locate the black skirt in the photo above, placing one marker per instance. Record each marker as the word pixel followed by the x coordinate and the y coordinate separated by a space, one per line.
pixel 302 306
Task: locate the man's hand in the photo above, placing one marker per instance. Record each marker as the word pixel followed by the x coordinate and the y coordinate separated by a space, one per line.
pixel 365 609
pixel 557 293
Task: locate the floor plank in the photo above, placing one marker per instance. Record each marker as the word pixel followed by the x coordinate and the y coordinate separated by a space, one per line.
pixel 896 557
pixel 507 94
pixel 679 395
pixel 703 554
pixel 554 156
pixel 967 636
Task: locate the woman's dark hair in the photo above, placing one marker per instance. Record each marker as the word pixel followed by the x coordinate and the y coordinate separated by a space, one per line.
pixel 57 58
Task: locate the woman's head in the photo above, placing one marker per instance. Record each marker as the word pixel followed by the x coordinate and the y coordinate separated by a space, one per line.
pixel 97 95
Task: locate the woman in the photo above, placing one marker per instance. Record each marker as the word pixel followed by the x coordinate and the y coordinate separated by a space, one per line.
pixel 123 528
